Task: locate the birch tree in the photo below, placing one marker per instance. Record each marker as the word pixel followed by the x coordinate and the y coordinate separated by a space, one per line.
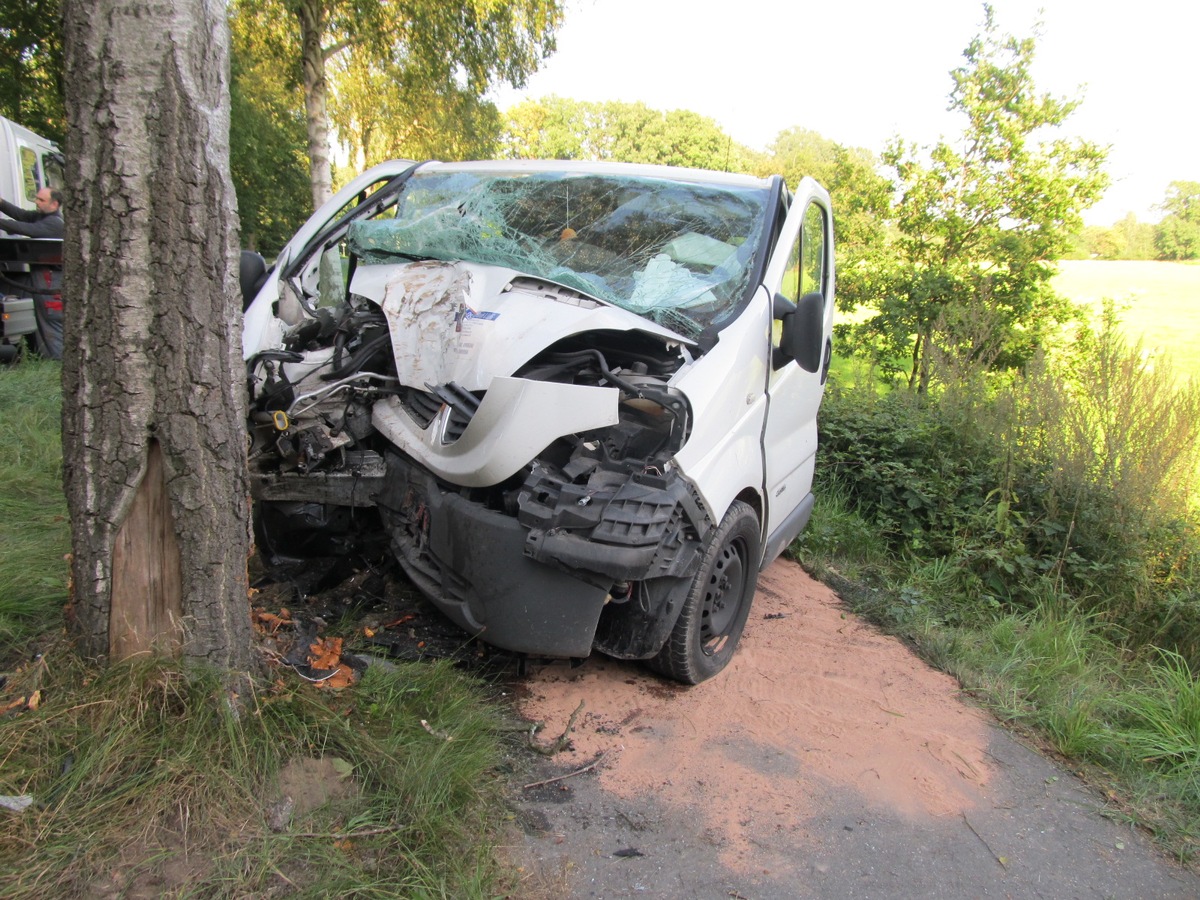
pixel 471 45
pixel 153 437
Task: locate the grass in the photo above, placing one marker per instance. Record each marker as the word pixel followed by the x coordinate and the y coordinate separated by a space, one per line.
pixel 1159 302
pixel 149 779
pixel 34 537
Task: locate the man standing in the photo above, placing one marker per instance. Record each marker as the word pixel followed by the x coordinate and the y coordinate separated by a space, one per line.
pixel 44 222
pixel 42 282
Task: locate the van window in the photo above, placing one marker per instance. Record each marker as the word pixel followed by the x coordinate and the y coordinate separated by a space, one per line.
pixel 812 265
pixel 30 173
pixel 52 167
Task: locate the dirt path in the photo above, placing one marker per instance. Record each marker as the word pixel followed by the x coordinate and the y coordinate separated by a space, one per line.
pixel 826 761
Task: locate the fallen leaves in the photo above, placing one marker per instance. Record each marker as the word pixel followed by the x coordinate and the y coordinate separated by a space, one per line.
pixel 270 623
pixel 436 732
pixel 26 680
pixel 325 656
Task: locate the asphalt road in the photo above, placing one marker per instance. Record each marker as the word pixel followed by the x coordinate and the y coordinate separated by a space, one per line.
pixel 826 761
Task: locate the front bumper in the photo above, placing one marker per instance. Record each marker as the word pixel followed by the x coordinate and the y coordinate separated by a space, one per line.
pixel 470 561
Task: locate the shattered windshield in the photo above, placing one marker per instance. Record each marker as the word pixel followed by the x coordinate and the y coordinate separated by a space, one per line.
pixel 677 252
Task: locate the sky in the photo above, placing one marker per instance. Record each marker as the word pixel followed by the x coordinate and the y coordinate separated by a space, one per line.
pixel 861 72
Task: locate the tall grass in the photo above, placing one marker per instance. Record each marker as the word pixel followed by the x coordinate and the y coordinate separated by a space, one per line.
pixel 149 779
pixel 34 536
pixel 1159 302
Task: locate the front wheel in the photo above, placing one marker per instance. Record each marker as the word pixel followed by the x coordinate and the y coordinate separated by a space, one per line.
pixel 718 603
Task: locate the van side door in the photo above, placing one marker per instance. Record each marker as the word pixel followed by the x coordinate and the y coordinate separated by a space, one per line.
pixel 800 277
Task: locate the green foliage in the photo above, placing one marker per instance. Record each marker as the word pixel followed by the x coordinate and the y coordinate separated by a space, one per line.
pixel 1109 441
pixel 1153 298
pixel 34 536
pixel 1076 479
pixel 31 66
pixel 862 201
pixel 147 777
pixel 978 223
pixel 1127 239
pixel 797 152
pixel 879 448
pixel 382 112
pixel 1161 720
pixel 266 140
pixel 450 51
pixel 558 128
pixel 1178 235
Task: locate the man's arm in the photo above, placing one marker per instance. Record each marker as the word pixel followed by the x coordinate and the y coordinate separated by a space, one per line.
pixel 16 212
pixel 50 226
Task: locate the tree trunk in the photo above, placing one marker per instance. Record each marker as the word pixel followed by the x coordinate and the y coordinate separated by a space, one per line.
pixel 311 14
pixel 153 405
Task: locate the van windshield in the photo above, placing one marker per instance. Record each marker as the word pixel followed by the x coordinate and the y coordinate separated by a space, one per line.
pixel 677 252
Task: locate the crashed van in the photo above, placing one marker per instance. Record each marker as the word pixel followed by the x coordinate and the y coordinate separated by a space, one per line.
pixel 579 399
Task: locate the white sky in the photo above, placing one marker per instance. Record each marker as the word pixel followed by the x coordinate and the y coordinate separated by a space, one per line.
pixel 862 71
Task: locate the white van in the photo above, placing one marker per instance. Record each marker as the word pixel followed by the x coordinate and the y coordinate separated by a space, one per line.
pixel 581 398
pixel 30 269
pixel 28 163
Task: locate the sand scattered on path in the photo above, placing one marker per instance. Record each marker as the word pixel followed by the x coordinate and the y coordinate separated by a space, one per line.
pixel 814 700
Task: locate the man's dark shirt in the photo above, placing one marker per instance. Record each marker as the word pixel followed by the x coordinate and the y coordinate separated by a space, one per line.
pixel 31 223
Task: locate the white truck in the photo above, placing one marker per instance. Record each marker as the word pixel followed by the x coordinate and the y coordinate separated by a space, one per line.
pixel 30 268
pixel 580 399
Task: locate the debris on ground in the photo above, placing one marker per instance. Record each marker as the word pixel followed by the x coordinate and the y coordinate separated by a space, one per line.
pixel 16 804
pixel 328 618
pixel 23 687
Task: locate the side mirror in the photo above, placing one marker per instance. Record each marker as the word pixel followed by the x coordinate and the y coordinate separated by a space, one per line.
pixel 252 269
pixel 802 339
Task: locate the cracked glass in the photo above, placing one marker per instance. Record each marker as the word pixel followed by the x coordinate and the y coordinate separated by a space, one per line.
pixel 679 253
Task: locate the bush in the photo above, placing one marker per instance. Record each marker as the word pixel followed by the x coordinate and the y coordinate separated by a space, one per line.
pixel 1074 479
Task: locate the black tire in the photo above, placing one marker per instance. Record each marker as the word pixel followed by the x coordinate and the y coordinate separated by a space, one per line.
pixel 718 603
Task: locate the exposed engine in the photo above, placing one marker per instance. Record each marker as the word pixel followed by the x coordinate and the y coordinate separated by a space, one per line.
pixel 335 428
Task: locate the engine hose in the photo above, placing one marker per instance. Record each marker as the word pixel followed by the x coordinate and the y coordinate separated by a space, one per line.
pixel 620 382
pixel 30 290
pixel 360 356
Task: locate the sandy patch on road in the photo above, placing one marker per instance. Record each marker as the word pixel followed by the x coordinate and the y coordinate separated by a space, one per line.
pixel 813 697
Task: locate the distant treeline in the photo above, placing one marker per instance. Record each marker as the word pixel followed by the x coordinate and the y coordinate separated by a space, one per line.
pixel 1176 237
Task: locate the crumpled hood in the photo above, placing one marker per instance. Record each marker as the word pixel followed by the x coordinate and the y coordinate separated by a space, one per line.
pixel 468 323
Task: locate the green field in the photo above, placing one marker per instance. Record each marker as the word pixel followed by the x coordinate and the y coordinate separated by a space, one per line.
pixel 1158 302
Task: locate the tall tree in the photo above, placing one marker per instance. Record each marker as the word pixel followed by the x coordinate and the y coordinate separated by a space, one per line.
pixel 471 44
pixel 153 433
pixel 862 199
pixel 268 155
pixel 31 85
pixel 980 222
pixel 797 152
pixel 382 111
pixel 1178 235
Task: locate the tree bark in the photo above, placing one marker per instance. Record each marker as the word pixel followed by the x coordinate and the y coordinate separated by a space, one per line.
pixel 153 405
pixel 311 14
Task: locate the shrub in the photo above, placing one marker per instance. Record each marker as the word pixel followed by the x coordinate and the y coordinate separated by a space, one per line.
pixel 1075 478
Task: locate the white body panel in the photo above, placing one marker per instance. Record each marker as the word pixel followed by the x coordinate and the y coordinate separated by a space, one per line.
pixel 28 162
pixel 511 427
pixel 790 438
pixel 467 323
pixel 723 457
